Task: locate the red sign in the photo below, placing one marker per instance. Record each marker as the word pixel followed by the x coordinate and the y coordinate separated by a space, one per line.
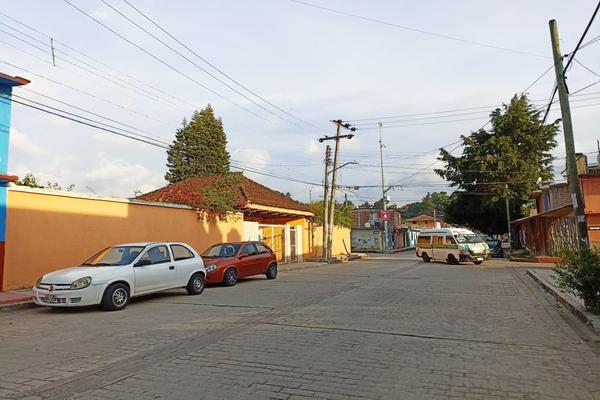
pixel 385 215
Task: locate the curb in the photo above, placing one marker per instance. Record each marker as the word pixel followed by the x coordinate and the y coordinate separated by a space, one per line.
pixel 575 308
pixel 16 306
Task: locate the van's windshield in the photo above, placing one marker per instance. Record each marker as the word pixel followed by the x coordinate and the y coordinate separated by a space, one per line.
pixel 467 238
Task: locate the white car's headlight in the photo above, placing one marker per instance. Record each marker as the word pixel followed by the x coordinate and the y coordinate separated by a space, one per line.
pixel 211 268
pixel 82 283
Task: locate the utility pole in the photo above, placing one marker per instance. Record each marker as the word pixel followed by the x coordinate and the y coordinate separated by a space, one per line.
pixel 572 173
pixel 508 218
pixel 385 222
pixel 325 200
pixel 339 124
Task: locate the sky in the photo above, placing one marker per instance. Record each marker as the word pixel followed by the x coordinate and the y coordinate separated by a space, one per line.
pixel 310 64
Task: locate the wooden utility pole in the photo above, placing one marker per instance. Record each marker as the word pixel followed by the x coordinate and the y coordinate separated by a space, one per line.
pixel 331 222
pixel 325 200
pixel 383 191
pixel 332 198
pixel 508 217
pixel 572 172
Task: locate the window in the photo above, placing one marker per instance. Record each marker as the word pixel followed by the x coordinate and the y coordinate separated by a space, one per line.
pixel 112 256
pixel 450 240
pixel 181 252
pixel 222 250
pixel 248 249
pixel 262 249
pixel 158 254
pixel 438 240
pixel 423 239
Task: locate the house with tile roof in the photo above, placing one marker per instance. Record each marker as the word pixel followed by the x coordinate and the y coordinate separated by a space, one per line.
pixel 270 216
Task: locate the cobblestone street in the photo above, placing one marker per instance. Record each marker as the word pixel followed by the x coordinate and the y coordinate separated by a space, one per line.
pixel 387 328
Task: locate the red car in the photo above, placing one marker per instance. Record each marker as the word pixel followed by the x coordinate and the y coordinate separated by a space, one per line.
pixel 227 262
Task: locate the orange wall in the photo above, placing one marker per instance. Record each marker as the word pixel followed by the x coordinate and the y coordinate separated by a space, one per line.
pixel 48 230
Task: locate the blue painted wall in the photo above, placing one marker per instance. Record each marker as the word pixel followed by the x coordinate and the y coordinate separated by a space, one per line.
pixel 5 101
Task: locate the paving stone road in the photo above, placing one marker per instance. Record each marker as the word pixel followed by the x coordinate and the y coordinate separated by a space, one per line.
pixel 386 328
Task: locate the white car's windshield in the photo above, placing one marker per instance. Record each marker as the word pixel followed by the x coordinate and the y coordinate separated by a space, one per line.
pixel 113 256
pixel 467 238
pixel 222 250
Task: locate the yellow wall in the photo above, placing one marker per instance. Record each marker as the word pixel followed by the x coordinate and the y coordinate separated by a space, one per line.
pixel 50 230
pixel 341 235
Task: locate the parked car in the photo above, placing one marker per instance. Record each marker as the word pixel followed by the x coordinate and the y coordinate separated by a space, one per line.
pixel 228 262
pixel 114 275
pixel 495 246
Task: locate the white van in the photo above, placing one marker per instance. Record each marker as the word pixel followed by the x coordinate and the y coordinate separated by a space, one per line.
pixel 453 245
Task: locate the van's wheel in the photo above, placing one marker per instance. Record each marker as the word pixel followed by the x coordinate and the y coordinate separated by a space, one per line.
pixel 425 257
pixel 272 271
pixel 195 284
pixel 452 260
pixel 477 262
pixel 115 297
pixel 230 278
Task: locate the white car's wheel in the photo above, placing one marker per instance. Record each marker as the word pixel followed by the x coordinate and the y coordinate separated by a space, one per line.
pixel 116 297
pixel 195 284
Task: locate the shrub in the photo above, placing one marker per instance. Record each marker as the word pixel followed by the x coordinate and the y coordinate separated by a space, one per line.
pixel 579 273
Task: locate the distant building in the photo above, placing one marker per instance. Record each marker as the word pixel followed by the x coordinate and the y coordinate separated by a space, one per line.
pixel 423 221
pixel 368 230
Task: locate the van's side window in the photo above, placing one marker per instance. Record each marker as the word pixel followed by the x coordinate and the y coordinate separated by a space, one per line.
pixel 438 240
pixel 450 240
pixel 423 239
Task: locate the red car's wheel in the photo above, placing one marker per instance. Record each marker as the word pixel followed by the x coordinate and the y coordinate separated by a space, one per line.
pixel 272 271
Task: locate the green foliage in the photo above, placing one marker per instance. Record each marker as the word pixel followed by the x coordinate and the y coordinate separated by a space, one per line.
pixel 220 198
pixel 514 152
pixel 579 272
pixel 342 216
pixel 199 148
pixel 31 181
pixel 435 200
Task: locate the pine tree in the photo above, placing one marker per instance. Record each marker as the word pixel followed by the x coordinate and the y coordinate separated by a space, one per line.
pixel 199 148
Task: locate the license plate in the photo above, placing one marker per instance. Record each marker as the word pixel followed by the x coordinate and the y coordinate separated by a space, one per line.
pixel 479 259
pixel 51 299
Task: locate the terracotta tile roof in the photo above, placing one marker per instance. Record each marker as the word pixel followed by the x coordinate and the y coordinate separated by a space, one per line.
pixel 248 192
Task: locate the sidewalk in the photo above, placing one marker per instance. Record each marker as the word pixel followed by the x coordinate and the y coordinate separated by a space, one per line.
pixel 544 278
pixel 15 299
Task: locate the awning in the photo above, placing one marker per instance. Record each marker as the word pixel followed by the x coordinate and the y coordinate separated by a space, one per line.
pixel 557 212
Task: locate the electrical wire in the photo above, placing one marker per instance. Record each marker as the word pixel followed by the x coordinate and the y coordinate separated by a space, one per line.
pixel 86 93
pixel 218 69
pixel 407 28
pixel 179 72
pixel 100 62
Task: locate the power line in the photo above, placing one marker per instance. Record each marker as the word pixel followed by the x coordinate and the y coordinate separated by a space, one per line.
pixel 142 139
pixel 216 68
pixel 111 81
pixel 85 93
pixel 571 58
pixel 162 61
pixel 100 62
pixel 407 28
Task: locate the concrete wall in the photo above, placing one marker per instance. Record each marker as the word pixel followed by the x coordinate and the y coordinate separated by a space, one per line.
pixel 47 230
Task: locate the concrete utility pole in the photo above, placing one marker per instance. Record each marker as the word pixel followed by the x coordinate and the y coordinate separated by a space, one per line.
pixel 508 218
pixel 572 173
pixel 339 124
pixel 325 200
pixel 384 207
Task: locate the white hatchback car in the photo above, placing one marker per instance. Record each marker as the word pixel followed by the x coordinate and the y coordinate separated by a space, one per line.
pixel 114 275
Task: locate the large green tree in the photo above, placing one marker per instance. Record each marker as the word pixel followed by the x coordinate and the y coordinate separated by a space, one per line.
pixel 199 148
pixel 506 160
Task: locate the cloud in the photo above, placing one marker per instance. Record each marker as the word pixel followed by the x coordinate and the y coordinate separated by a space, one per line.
pixel 22 145
pixel 118 177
